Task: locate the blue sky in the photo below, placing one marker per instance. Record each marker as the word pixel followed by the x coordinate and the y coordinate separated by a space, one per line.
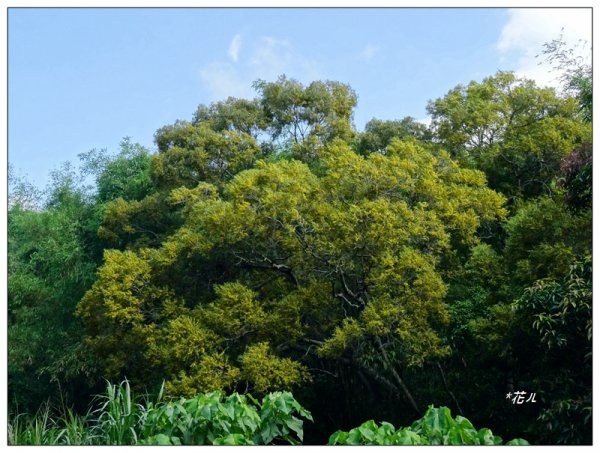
pixel 85 78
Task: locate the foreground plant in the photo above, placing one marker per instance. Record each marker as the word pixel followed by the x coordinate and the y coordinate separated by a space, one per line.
pixel 437 427
pixel 39 430
pixel 119 418
pixel 234 420
pixel 122 418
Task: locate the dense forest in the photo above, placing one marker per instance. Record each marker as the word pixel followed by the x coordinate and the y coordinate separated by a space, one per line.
pixel 269 247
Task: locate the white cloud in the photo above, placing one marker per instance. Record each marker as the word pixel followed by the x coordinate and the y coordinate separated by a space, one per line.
pixel 223 81
pixel 234 47
pixel 368 53
pixel 528 29
pixel 268 58
pixel 271 57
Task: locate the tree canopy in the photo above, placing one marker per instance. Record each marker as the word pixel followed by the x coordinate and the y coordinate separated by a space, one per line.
pixel 514 131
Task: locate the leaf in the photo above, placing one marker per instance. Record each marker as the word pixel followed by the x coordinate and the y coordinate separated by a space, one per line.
pixel 462 422
pixel 517 441
pixel 486 437
pixel 232 439
pixel 283 404
pixel 206 412
pixel 368 429
pixel 295 424
pixel 354 437
pixel 453 437
pixel 268 433
pixel 227 409
pixel 159 439
pixel 338 438
pixel 408 437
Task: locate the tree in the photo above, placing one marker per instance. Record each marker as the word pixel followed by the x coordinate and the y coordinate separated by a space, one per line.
pixel 560 313
pixel 543 238
pixel 513 312
pixel 50 269
pixel 576 178
pixel 269 246
pixel 576 72
pixel 282 260
pixel 378 134
pixel 514 131
pixel 192 153
pixel 233 114
pixel 54 251
pixel 303 119
pixel 125 175
pixel 22 193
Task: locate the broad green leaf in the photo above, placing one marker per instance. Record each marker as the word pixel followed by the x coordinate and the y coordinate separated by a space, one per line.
pixel 517 441
pixel 338 438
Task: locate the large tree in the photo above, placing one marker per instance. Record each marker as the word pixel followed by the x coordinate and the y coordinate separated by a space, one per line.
pixel 514 131
pixel 285 269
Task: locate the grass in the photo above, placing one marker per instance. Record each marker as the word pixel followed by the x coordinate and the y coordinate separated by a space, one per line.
pixel 119 418
pixel 41 429
pixel 117 421
pixel 75 429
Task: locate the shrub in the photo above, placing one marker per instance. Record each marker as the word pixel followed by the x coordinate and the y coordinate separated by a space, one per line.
pixel 234 420
pixel 437 427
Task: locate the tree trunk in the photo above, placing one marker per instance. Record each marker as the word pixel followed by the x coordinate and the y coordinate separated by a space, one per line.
pixel 397 377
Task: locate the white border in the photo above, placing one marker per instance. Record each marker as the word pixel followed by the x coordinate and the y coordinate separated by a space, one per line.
pixel 223 3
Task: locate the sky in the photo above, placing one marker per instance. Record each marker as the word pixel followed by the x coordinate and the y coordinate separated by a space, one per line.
pixel 80 79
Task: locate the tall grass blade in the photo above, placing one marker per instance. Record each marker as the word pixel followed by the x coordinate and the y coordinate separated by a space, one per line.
pixel 118 419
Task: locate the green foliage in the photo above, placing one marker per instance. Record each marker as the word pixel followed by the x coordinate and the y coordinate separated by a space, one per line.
pixel 206 419
pixel 560 313
pixel 75 430
pixel 125 175
pixel 241 115
pixel 541 341
pixel 192 153
pixel 270 246
pixel 568 421
pixel 284 229
pixel 562 310
pixel 378 134
pixel 306 118
pixel 576 178
pixel 234 420
pixel 129 298
pixel 141 223
pixel 53 253
pixel 211 372
pixel 50 268
pixel 39 430
pixel 514 131
pixel 543 238
pixel 437 427
pixel 21 192
pixel 267 371
pixel 115 422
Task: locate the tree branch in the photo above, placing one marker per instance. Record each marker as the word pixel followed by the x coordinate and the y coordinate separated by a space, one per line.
pixel 448 389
